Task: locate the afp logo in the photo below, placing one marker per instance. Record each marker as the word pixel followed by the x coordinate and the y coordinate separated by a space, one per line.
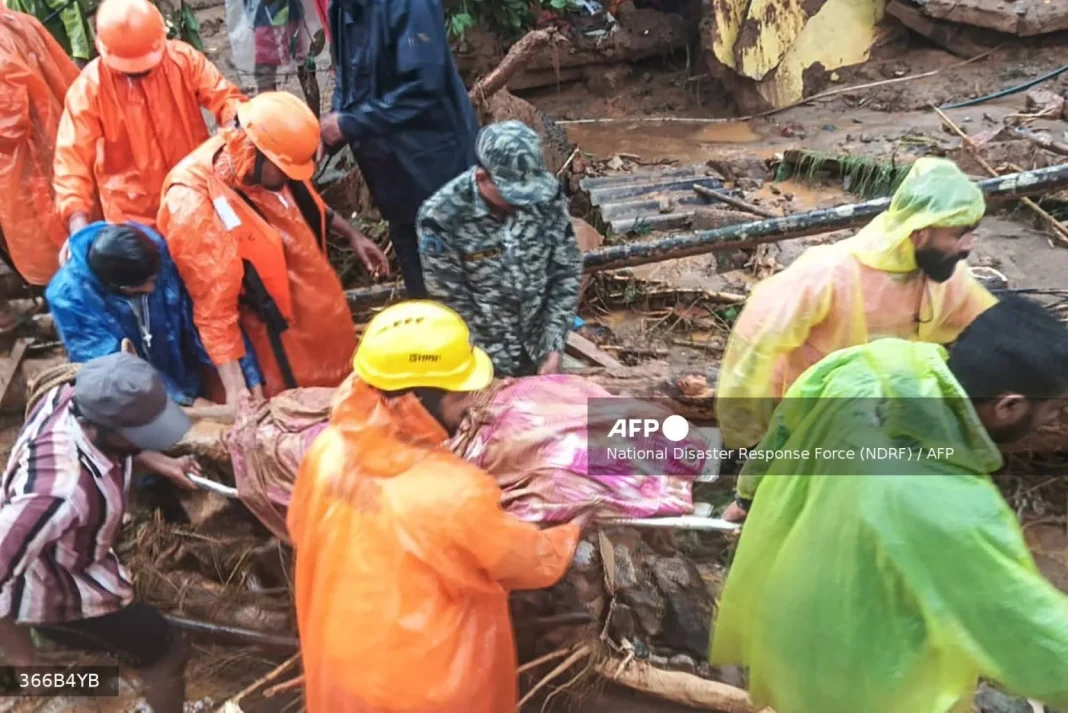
pixel 674 427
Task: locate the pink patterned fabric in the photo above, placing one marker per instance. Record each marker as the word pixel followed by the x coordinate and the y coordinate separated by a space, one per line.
pixel 532 437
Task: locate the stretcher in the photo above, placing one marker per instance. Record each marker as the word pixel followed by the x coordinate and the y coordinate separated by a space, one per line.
pixel 701 520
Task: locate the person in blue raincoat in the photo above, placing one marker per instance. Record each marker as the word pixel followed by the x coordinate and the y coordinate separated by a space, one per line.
pixel 401 105
pixel 120 283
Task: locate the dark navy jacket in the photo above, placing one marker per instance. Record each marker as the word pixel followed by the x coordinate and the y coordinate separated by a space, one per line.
pixel 404 109
pixel 93 320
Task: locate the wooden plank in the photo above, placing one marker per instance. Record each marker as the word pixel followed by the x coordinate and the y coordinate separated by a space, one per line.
pixel 950 37
pixel 10 365
pixel 578 345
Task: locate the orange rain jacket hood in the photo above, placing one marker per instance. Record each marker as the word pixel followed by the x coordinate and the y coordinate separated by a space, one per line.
pixel 120 136
pixel 404 563
pixel 35 73
pixel 211 229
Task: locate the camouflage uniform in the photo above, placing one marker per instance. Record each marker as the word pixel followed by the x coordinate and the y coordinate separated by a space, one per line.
pixel 515 278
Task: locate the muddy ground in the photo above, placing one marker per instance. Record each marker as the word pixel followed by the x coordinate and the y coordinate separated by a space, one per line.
pixel 886 122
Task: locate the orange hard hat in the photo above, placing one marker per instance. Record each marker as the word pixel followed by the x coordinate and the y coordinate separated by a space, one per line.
pixel 284 129
pixel 131 35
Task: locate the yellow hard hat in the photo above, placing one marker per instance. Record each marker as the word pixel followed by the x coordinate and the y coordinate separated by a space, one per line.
pixel 421 343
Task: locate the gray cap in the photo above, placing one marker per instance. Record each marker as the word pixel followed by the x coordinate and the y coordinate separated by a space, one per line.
pixel 511 152
pixel 123 393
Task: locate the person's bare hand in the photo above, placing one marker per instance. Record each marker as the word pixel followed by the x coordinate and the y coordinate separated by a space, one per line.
pixel 370 254
pixel 735 513
pixel 173 469
pixel 551 365
pixel 64 253
pixel 330 131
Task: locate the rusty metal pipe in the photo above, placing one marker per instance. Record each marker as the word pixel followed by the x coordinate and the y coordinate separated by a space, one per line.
pixel 747 235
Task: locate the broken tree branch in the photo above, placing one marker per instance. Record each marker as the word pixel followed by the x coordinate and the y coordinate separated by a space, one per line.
pixel 740 205
pixel 1059 230
pixel 284 686
pixel 1045 142
pixel 558 654
pixel 512 64
pixel 271 675
pixel 678 687
pixel 748 235
pixel 579 654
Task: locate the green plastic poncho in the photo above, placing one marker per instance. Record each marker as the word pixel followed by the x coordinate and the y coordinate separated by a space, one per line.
pixel 883 592
pixel 849 293
pixel 66 20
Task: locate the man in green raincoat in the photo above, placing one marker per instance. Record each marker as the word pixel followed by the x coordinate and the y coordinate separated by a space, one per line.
pixel 890 582
pixel 66 20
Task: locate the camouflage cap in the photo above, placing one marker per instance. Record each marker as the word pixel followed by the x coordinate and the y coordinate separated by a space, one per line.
pixel 511 152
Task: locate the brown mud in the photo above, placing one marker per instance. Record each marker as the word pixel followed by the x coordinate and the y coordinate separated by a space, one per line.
pixel 630 81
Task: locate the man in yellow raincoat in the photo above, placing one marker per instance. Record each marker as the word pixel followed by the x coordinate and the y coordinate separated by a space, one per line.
pixel 891 581
pixel 34 76
pixel 902 276
pixel 404 555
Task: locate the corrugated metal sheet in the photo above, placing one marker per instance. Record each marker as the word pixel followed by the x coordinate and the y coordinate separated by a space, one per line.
pixel 637 200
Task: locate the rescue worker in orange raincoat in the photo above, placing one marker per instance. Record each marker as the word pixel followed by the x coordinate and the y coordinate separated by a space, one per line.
pixel 35 73
pixel 247 231
pixel 132 115
pixel 404 557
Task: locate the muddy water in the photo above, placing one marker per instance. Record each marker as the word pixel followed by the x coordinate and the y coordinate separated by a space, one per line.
pixel 655 141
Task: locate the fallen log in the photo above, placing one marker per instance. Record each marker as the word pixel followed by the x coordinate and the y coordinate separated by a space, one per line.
pixel 1045 142
pixel 678 687
pixel 513 63
pixel 749 235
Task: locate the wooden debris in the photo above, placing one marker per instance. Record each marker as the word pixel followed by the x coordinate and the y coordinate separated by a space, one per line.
pixel 1060 231
pixel 740 205
pixel 558 654
pixel 579 346
pixel 749 235
pixel 1045 142
pixel 678 687
pixel 232 703
pixel 10 365
pixel 1022 17
pixel 958 39
pixel 284 686
pixel 513 63
pixel 579 654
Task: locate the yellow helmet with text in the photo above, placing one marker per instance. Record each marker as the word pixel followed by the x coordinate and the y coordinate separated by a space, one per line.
pixel 421 344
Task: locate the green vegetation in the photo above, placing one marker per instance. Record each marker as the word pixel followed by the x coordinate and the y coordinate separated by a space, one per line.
pixel 182 24
pixel 864 176
pixel 505 17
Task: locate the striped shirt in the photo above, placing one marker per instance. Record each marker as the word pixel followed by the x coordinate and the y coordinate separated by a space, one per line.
pixel 61 506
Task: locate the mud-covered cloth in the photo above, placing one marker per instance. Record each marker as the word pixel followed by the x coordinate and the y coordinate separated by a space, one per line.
pixel 531 435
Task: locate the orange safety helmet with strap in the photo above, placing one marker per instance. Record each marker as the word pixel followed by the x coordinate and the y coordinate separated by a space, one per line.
pixel 257 241
pixel 284 130
pixel 131 35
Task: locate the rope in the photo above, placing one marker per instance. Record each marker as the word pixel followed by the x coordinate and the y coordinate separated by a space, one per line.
pixel 47 380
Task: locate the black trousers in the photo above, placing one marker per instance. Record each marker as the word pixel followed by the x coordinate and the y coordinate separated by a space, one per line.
pixel 406 245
